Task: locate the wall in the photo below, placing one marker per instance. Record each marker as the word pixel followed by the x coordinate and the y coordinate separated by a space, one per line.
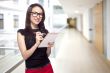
pixel 86 24
pixel 107 28
pixel 9 11
pixel 8 19
pixel 79 23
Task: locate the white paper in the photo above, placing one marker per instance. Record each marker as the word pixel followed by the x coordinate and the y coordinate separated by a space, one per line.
pixel 50 37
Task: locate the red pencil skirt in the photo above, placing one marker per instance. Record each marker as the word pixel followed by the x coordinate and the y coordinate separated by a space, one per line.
pixel 45 69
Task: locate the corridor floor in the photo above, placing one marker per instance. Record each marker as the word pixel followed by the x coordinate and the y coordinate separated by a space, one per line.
pixel 74 54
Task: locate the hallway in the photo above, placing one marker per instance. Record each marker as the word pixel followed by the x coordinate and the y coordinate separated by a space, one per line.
pixel 85 50
pixel 74 55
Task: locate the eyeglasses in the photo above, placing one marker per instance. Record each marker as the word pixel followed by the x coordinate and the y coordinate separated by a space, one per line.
pixel 35 14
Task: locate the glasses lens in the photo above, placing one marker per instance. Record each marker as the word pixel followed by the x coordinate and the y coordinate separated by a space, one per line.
pixel 36 14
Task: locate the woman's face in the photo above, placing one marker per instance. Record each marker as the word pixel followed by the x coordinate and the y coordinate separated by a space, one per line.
pixel 36 15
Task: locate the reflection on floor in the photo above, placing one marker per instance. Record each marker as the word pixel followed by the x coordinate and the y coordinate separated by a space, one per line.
pixel 8 44
pixel 9 52
pixel 74 55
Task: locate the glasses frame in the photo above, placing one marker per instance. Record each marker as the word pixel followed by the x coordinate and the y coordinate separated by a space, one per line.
pixel 35 14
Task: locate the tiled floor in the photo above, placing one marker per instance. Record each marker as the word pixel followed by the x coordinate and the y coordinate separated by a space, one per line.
pixel 74 55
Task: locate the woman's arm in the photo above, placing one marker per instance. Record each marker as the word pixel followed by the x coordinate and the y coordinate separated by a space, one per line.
pixel 21 44
pixel 48 51
pixel 50 45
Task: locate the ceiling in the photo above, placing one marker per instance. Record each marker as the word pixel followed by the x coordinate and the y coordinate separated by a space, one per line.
pixel 72 7
pixel 4 0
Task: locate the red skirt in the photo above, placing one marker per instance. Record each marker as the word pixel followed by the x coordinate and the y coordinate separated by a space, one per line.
pixel 45 69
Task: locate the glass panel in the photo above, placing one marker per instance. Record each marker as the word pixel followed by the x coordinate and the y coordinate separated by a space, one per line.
pixel 41 2
pixel 1 21
pixel 16 21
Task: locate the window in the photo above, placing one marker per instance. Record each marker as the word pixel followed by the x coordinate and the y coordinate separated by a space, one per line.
pixel 41 2
pixel 48 3
pixel 16 21
pixel 1 21
pixel 15 1
pixel 28 2
pixel 58 9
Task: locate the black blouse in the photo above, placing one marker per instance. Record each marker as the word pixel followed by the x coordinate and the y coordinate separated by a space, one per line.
pixel 39 58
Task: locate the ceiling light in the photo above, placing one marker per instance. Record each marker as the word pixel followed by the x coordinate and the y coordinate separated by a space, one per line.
pixel 76 11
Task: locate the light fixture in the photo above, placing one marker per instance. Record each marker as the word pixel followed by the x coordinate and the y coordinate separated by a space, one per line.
pixel 76 11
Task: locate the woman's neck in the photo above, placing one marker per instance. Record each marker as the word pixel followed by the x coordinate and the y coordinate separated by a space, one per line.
pixel 34 27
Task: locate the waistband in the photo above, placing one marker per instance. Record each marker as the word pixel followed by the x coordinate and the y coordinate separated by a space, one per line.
pixel 38 67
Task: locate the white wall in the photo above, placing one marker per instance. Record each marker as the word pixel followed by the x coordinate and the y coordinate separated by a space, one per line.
pixel 86 24
pixel 22 16
pixel 9 19
pixel 60 20
pixel 9 11
pixel 107 28
pixel 79 23
pixel 32 1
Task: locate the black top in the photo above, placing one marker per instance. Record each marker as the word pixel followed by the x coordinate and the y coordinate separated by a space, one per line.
pixel 39 58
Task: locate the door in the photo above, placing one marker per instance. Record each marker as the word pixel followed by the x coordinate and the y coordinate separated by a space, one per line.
pixel 98 27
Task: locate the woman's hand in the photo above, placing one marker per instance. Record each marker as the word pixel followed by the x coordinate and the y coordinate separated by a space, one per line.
pixel 50 44
pixel 39 37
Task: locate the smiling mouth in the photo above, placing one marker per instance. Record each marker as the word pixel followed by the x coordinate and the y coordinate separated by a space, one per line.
pixel 37 20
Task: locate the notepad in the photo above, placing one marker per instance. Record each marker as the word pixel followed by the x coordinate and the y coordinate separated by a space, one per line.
pixel 50 37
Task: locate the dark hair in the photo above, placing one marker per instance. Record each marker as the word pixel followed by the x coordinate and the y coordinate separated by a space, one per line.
pixel 28 21
pixel 69 19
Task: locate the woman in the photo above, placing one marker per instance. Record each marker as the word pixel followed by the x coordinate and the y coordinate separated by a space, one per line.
pixel 29 38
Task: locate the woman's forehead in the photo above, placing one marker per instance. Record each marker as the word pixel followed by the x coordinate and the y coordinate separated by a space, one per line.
pixel 37 9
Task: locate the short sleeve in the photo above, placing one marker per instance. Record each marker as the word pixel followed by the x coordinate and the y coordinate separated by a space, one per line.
pixel 21 31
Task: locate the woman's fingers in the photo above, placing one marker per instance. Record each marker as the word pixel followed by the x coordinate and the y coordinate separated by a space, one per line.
pixel 39 36
pixel 39 33
pixel 50 44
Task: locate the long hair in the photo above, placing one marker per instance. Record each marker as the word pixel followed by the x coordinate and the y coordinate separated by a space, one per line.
pixel 28 21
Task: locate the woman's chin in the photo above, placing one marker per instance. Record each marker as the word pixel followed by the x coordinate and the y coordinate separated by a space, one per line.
pixel 37 23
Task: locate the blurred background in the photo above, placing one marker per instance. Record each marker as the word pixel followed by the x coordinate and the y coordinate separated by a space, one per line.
pixel 91 26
